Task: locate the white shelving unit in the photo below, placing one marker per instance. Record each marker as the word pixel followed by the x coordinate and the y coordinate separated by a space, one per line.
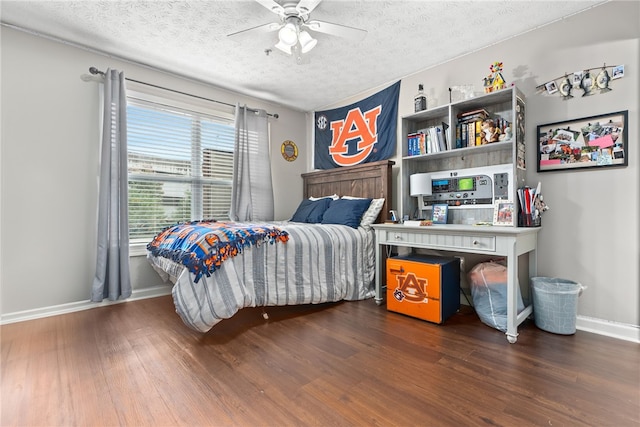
pixel 507 104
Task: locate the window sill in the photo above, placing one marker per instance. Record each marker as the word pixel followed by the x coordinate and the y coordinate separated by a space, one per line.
pixel 137 249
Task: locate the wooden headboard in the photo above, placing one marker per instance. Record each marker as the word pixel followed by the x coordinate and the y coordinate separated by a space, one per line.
pixel 372 180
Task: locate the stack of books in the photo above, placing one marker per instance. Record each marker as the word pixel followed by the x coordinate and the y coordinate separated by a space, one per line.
pixel 469 127
pixel 429 140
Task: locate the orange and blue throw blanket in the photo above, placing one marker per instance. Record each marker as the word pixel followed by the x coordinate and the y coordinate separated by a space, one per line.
pixel 202 246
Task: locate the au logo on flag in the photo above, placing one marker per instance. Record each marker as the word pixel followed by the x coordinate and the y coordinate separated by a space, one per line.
pixel 358 133
pixel 357 127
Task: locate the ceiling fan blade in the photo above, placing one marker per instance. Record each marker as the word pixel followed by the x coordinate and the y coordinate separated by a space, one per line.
pixel 339 30
pixel 306 6
pixel 260 29
pixel 272 6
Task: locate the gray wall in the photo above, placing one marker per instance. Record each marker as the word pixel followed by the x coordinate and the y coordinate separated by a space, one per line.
pixel 591 232
pixel 50 146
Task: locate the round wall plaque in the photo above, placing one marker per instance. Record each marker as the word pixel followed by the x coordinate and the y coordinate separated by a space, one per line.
pixel 289 150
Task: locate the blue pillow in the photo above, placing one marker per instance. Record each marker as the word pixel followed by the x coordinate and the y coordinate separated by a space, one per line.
pixel 346 212
pixel 311 211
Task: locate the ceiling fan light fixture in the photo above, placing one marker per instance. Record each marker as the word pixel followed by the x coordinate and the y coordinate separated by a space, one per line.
pixel 288 34
pixel 306 41
pixel 283 47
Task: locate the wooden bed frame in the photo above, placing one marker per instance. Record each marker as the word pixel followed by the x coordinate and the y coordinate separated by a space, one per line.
pixel 371 180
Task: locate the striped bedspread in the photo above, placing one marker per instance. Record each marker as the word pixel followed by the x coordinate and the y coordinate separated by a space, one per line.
pixel 319 263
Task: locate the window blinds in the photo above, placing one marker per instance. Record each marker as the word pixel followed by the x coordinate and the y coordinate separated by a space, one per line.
pixel 180 166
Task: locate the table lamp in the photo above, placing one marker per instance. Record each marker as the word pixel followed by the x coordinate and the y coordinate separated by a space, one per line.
pixel 420 186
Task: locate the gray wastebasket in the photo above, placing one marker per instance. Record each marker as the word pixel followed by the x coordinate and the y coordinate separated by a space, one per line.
pixel 555 304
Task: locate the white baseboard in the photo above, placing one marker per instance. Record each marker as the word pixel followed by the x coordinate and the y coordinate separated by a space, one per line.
pixel 588 324
pixel 21 316
pixel 617 330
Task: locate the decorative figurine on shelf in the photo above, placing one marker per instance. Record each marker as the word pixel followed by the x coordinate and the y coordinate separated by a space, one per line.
pixel 487 85
pixel 494 81
pixel 490 133
pixel 507 134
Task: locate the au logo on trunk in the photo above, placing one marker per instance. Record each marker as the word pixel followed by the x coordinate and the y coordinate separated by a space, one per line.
pixel 411 289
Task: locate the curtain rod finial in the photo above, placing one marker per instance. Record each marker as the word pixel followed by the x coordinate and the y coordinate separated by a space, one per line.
pixel 94 70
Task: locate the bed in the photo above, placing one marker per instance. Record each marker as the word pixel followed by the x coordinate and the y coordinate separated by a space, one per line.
pixel 282 262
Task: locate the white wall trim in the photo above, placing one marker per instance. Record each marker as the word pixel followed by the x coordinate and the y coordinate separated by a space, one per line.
pixel 616 330
pixel 37 313
pixel 620 331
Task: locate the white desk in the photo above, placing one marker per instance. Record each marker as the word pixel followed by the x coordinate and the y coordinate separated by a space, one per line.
pixel 510 242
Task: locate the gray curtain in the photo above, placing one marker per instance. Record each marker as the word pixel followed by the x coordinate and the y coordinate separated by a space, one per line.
pixel 112 279
pixel 252 189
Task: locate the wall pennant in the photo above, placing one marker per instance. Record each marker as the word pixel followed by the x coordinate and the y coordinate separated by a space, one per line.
pixel 584 80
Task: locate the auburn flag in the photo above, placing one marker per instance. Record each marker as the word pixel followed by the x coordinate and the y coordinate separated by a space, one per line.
pixel 358 133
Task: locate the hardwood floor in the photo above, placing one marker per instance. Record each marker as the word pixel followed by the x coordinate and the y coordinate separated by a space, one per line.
pixel 351 363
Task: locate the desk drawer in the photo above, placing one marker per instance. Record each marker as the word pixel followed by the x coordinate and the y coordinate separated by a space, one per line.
pixel 443 241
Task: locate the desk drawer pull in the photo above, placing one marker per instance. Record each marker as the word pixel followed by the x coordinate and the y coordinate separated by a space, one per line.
pixel 476 243
pixel 398 237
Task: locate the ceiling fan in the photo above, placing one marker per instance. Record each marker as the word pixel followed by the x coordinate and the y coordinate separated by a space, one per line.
pixel 293 37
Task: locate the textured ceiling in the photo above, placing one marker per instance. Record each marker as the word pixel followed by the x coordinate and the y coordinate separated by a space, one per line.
pixel 189 38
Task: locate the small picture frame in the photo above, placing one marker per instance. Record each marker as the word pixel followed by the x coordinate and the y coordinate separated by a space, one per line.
pixel 551 87
pixel 577 78
pixel 618 71
pixel 504 213
pixel 439 213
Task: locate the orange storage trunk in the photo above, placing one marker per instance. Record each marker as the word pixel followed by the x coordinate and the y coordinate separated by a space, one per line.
pixel 424 287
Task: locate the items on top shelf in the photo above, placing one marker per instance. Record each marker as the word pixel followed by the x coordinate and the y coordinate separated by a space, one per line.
pixel 420 101
pixel 478 128
pixel 494 81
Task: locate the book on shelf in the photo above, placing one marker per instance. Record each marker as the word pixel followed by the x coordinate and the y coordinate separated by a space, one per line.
pixel 414 141
pixel 471 134
pixel 463 135
pixel 442 145
pixel 433 137
pixel 429 140
pixel 443 134
pixel 479 133
pixel 480 114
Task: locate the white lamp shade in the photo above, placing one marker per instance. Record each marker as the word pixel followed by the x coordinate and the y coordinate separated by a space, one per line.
pixel 306 41
pixel 283 47
pixel 420 184
pixel 288 34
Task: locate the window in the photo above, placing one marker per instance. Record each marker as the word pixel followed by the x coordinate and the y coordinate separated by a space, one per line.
pixel 180 162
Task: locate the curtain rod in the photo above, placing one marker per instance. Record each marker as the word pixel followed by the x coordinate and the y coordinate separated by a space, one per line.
pixel 94 71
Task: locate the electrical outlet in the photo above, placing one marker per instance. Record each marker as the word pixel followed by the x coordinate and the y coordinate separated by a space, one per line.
pixel 501 185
